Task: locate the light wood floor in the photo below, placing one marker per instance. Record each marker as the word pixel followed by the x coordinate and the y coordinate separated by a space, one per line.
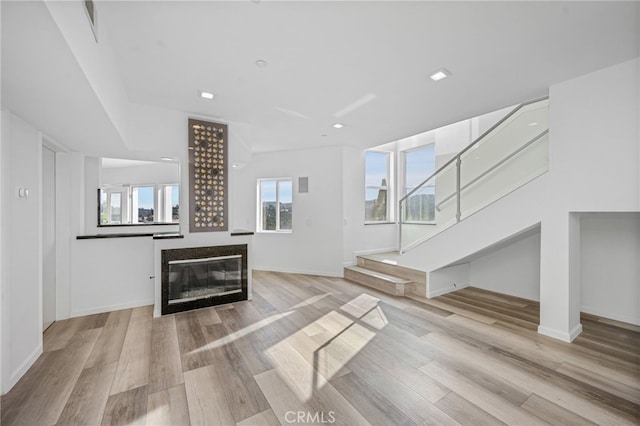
pixel 320 350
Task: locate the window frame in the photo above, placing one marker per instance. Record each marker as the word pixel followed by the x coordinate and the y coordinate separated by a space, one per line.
pixel 124 205
pixel 259 215
pixel 389 188
pixel 161 203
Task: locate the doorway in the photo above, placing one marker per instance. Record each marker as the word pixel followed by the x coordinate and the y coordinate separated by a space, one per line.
pixel 48 237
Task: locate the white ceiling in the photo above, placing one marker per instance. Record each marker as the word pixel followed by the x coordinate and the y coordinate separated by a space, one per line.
pixel 364 64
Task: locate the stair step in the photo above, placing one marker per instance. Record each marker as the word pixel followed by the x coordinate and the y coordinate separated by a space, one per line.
pixel 384 282
pixel 386 264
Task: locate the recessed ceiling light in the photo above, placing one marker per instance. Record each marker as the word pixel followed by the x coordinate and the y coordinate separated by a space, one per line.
pixel 206 95
pixel 439 75
pixel 533 123
pixel 166 158
pixel 261 63
pixel 338 126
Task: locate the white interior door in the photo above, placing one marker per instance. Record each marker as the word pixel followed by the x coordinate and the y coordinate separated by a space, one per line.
pixel 48 237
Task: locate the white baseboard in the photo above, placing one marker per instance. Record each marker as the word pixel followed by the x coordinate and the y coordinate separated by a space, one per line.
pixel 610 315
pixel 561 335
pixel 22 368
pixel 575 332
pixel 109 308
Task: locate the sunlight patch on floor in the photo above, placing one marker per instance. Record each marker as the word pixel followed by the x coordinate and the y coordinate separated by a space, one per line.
pixel 232 337
pixel 310 357
pixel 310 301
pixel 359 306
pixel 376 318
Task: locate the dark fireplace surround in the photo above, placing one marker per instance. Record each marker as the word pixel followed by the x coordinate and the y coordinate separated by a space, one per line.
pixel 198 277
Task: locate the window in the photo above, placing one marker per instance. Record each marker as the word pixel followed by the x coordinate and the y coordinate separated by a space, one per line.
pixel 113 206
pixel 275 205
pixel 377 185
pixel 419 164
pixel 140 204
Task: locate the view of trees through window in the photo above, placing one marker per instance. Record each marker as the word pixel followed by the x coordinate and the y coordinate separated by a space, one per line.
pixel 276 204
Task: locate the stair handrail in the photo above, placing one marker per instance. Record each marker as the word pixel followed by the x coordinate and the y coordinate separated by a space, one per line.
pixel 471 145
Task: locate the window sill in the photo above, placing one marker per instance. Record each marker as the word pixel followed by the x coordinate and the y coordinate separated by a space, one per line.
pixel 274 232
pixel 380 223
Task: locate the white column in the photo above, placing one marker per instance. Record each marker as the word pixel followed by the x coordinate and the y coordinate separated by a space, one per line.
pixel 559 277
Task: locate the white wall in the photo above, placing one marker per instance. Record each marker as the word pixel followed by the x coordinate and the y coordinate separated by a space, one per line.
pixel 111 273
pixel 451 277
pixel 610 265
pixel 594 168
pixel 513 270
pixel 315 245
pixel 155 173
pixel 21 249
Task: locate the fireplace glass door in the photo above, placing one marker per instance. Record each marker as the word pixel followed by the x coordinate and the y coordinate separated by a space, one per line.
pixel 195 279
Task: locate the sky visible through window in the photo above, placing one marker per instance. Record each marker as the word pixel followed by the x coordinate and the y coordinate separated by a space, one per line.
pixel 419 165
pixel 269 191
pixel 376 168
pixel 175 195
pixel 145 197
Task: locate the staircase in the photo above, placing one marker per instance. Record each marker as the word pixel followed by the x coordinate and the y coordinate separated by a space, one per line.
pixel 504 158
pixel 459 199
pixel 380 271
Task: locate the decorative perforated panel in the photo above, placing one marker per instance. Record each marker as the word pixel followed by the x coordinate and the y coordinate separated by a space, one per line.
pixel 207 176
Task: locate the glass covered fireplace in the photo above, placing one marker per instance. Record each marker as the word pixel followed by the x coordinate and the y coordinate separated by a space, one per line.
pixel 203 276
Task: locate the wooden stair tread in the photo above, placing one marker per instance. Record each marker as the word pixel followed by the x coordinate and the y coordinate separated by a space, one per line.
pixel 379 275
